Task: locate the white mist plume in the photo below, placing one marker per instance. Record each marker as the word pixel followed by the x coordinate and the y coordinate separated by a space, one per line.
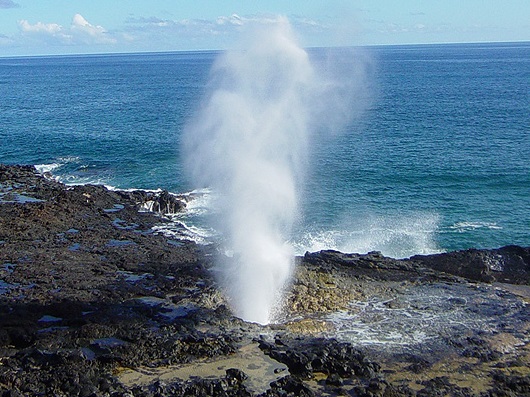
pixel 249 143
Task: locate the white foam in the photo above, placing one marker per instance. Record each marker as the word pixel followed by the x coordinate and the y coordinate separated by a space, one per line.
pixel 190 224
pixel 180 231
pixel 393 236
pixel 423 313
pixel 117 189
pixel 199 202
pixel 183 225
pixel 71 180
pixel 68 159
pixel 467 226
pixel 317 241
pixel 47 168
pixel 59 163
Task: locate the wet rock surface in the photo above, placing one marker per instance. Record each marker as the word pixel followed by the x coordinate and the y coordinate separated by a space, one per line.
pixel 90 293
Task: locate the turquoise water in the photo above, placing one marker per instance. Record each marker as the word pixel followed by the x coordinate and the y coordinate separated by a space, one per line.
pixel 438 159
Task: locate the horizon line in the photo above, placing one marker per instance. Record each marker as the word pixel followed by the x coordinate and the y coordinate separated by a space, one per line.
pixel 152 52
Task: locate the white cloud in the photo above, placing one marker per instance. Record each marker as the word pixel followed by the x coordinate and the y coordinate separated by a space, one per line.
pixel 44 32
pixel 233 19
pixel 39 27
pixel 147 33
pixel 260 19
pixel 79 32
pixel 88 33
pixel 222 23
pixel 203 30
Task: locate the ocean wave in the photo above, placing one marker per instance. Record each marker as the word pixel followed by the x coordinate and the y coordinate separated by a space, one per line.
pixel 183 225
pixel 47 168
pixel 190 224
pixel 393 236
pixel 57 164
pixel 119 189
pixel 397 236
pixel 199 202
pixel 71 170
pixel 181 231
pixel 467 226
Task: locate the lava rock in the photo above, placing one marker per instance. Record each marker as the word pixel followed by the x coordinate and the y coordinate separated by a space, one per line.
pixel 305 356
pixel 88 288
pixel 288 386
pixel 510 264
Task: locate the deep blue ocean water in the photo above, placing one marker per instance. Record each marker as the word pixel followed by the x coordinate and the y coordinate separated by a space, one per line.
pixel 438 160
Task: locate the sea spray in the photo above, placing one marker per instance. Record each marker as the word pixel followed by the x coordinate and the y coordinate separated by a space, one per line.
pixel 396 236
pixel 249 143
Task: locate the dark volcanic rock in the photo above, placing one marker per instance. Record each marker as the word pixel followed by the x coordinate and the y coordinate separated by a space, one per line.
pixel 88 286
pixel 166 203
pixel 372 266
pixel 510 264
pixel 307 356
pixel 231 385
pixel 510 385
pixel 442 386
pixel 288 386
pixel 88 290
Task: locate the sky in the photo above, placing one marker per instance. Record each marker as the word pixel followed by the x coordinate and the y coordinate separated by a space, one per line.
pixel 31 27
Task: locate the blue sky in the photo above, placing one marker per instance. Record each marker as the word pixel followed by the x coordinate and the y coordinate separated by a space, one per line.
pixel 30 27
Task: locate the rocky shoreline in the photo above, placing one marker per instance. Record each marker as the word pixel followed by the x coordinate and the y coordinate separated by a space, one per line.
pixel 95 302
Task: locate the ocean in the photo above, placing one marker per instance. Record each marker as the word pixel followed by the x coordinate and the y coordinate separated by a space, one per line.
pixel 436 159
